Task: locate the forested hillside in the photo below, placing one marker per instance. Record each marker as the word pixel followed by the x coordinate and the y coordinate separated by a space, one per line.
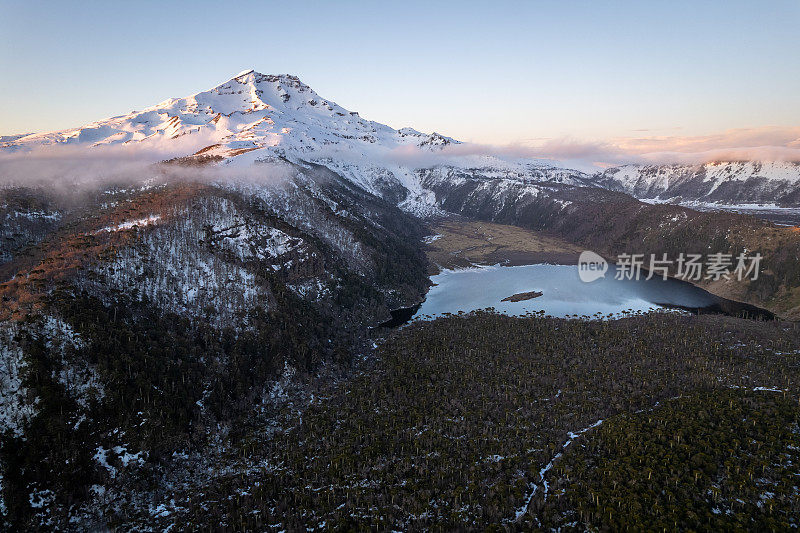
pixel 164 319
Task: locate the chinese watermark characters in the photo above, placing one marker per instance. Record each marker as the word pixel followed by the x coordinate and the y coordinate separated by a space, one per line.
pixel 689 267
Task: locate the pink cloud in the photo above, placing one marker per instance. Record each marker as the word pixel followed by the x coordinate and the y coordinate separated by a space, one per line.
pixel 764 143
pixel 772 136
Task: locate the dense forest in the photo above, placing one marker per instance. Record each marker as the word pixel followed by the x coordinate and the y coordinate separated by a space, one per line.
pixel 489 422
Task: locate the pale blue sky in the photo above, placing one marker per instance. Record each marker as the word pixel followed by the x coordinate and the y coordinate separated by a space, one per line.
pixel 491 72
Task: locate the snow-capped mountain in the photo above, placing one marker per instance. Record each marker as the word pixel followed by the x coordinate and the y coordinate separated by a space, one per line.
pixel 250 118
pixel 744 182
pixel 256 117
pixel 144 322
pixel 249 112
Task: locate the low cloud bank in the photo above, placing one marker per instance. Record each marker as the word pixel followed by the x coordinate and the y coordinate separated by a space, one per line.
pixel 71 168
pixel 764 144
pixel 74 168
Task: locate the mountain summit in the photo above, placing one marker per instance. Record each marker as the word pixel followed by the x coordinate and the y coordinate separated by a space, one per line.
pixel 251 111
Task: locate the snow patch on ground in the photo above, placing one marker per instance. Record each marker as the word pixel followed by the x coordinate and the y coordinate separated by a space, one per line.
pixel 78 377
pixel 3 508
pixel 140 222
pixel 16 408
pixel 118 455
pixel 38 215
pixel 312 289
pixel 82 381
pixel 41 498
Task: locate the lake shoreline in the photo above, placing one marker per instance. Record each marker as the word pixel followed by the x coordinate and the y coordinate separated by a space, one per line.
pixel 554 289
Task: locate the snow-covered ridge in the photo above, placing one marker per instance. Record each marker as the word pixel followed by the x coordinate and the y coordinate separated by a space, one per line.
pixel 715 172
pixel 733 182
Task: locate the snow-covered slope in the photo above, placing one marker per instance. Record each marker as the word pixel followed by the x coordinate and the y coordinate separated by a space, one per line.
pixel 745 182
pixel 255 117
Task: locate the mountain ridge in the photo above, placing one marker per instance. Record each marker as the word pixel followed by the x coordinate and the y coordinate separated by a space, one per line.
pixel 721 182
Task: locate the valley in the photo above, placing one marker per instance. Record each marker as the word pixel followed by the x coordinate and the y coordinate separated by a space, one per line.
pixel 613 223
pixel 460 243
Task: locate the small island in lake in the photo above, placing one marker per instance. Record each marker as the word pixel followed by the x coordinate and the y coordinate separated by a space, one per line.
pixel 520 296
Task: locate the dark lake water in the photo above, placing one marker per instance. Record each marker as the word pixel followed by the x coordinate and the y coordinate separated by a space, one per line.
pixel 563 294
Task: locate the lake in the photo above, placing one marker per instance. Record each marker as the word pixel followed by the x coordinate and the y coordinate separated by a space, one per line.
pixel 563 294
